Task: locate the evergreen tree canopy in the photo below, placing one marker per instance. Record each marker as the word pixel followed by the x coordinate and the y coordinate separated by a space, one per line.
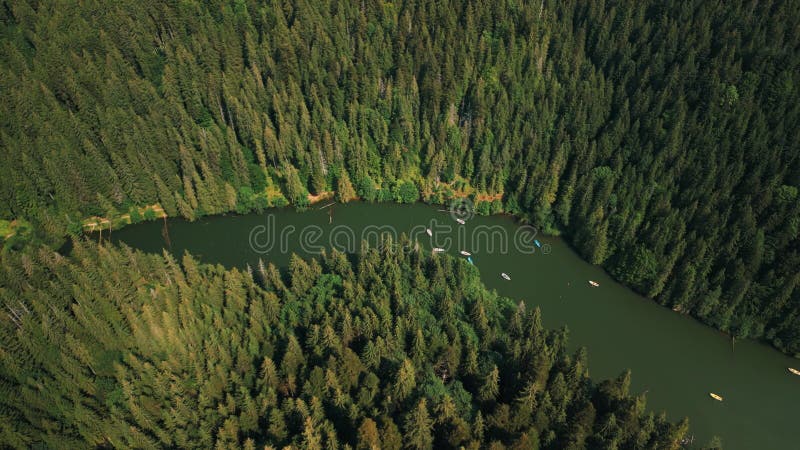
pixel 658 136
pixel 115 348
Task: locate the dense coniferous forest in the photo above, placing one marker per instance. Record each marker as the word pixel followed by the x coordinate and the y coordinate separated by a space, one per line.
pixel 390 349
pixel 659 137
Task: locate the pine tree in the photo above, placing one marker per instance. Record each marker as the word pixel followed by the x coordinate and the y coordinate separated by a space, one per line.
pixel 368 436
pixel 406 380
pixel 491 385
pixel 344 188
pixel 418 428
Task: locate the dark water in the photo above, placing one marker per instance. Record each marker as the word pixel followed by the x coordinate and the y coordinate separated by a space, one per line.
pixel 675 359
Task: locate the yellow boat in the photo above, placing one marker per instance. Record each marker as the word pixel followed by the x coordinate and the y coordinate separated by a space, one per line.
pixel 715 396
pixel 794 371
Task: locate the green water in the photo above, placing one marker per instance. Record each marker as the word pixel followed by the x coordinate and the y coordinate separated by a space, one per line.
pixel 675 359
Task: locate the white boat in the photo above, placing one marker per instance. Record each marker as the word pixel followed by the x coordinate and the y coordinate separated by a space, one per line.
pixel 461 221
pixel 794 371
pixel 594 283
pixel 505 276
pixel 715 396
pixel 466 253
pixel 437 250
pixel 430 233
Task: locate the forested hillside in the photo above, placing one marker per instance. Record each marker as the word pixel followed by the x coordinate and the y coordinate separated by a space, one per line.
pixel 115 348
pixel 660 137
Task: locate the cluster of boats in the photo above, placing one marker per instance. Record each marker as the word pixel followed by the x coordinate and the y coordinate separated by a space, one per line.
pixel 441 250
pixel 503 275
pixel 466 253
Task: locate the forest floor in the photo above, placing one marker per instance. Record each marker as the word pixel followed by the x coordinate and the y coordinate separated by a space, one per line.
pixel 488 197
pixel 466 190
pixel 96 223
pixel 273 192
pixel 320 197
pixel 9 228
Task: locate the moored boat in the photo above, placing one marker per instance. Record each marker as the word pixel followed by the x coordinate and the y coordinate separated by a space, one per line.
pixel 715 396
pixel 505 276
pixel 437 250
pixel 794 371
pixel 470 260
pixel 594 283
pixel 538 244
pixel 461 221
pixel 466 253
pixel 430 233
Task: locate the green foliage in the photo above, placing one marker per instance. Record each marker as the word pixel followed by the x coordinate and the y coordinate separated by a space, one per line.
pixel 280 202
pixel 367 190
pixel 5 227
pixel 787 194
pixel 730 96
pixel 406 192
pixel 483 208
pixel 15 235
pixel 295 190
pixel 245 200
pixel 243 357
pixel 258 178
pixel 344 188
pixel 419 427
pixel 637 268
pixel 602 172
pixel 260 203
pixel 496 206
pixel 149 214
pixel 135 215
pixel 74 229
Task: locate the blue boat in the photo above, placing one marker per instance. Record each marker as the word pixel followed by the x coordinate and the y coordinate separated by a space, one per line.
pixel 538 244
pixel 470 259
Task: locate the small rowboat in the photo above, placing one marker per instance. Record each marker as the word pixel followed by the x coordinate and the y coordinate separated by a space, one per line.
pixel 461 221
pixel 594 283
pixel 466 253
pixel 715 396
pixel 470 260
pixel 505 276
pixel 538 244
pixel 437 250
pixel 794 371
pixel 430 233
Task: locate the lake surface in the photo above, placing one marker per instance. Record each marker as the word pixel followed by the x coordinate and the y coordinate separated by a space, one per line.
pixel 674 358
